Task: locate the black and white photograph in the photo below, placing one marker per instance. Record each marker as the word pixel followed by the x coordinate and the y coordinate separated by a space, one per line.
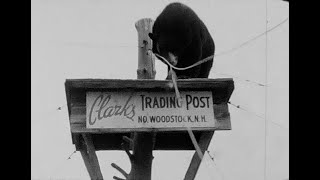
pixel 160 89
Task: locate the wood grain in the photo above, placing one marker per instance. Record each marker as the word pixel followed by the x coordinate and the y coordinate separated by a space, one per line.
pixel 90 158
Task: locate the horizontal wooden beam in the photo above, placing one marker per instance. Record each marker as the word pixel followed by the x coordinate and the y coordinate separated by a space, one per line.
pixel 172 141
pixel 147 83
pixel 81 128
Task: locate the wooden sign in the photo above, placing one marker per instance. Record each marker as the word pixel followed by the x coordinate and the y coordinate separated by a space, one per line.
pixel 149 109
pixel 121 103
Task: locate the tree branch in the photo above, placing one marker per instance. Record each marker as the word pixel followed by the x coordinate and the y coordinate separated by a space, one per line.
pixel 126 146
pixel 126 175
pixel 128 140
pixel 117 178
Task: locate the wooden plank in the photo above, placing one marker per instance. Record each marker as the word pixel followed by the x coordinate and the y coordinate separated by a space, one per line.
pixel 148 84
pixel 222 116
pixel 85 157
pixel 171 140
pixel 78 97
pixel 221 88
pixel 195 162
pixel 90 158
pixel 81 128
pixel 165 140
pixel 68 94
pixel 179 140
pixel 78 110
pixel 77 119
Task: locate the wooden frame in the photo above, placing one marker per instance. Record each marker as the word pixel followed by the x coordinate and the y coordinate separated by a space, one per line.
pixel 167 138
pixel 88 141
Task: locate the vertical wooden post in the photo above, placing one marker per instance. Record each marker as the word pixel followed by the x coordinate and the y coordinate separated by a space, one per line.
pixel 143 142
pixel 146 69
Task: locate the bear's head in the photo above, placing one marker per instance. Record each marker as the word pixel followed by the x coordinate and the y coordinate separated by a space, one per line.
pixel 170 45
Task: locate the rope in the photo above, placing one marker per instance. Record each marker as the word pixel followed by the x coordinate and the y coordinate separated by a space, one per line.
pixel 209 58
pixel 192 137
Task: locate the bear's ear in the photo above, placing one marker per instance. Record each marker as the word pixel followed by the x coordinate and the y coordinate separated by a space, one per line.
pixel 151 36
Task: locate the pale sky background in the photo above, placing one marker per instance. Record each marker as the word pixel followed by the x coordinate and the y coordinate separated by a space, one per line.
pixel 97 39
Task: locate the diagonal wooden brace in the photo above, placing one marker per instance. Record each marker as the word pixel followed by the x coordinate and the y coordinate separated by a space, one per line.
pixel 90 159
pixel 204 142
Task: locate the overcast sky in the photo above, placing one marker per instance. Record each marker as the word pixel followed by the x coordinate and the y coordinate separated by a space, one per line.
pixel 97 39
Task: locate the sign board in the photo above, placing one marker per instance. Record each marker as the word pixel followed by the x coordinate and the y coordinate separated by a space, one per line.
pixel 119 107
pixel 149 109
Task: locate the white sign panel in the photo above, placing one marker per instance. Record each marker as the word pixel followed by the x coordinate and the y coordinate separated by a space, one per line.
pixel 149 109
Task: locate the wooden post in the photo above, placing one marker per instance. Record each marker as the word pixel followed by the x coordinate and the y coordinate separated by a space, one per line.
pixel 146 69
pixel 204 142
pixel 142 142
pixel 90 159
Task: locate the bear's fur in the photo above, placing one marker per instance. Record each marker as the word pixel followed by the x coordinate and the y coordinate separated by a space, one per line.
pixel 182 38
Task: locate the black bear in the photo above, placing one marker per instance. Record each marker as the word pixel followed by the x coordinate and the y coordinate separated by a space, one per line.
pixel 181 37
